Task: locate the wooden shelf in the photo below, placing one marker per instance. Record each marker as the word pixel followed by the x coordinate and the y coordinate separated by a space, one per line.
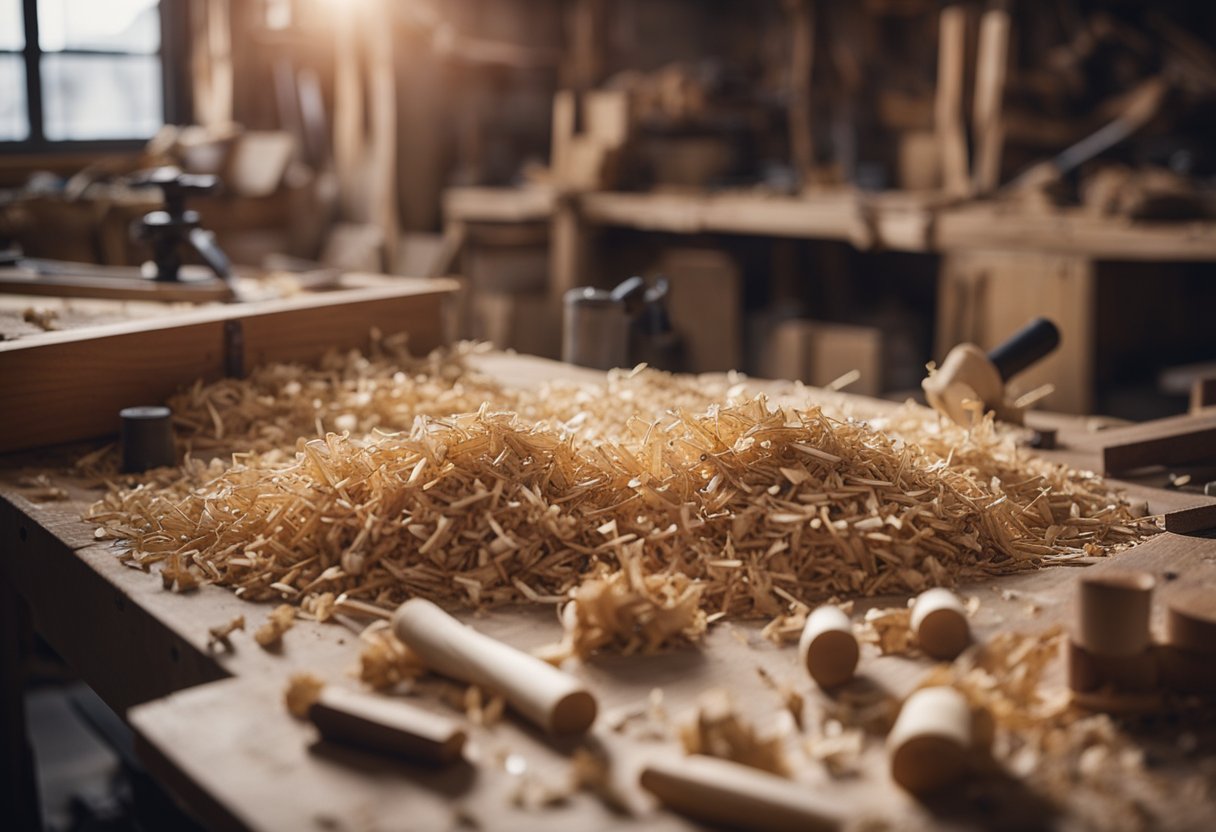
pixel 894 220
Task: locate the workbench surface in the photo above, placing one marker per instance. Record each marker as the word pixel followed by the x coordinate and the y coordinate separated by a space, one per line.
pixel 212 725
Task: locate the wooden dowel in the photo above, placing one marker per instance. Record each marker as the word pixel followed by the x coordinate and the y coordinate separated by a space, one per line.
pixel 930 742
pixel 722 792
pixel 939 620
pixel 1114 613
pixel 1191 620
pixel 828 647
pixel 380 724
pixel 541 693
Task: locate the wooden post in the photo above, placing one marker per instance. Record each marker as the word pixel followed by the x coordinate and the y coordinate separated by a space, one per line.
pixel 948 101
pixel 802 58
pixel 991 65
pixel 382 145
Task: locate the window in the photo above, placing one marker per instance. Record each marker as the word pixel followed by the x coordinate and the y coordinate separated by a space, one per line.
pixel 80 71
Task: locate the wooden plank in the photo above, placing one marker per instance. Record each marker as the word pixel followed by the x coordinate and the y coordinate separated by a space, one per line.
pixel 948 100
pixel 63 386
pixel 802 61
pixel 498 204
pixel 1176 440
pixel 114 288
pixel 1194 519
pixel 992 63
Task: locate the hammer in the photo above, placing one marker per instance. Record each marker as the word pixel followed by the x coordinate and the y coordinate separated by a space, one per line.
pixel 970 375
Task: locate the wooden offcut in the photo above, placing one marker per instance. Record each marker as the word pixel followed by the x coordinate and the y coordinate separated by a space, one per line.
pixel 1175 440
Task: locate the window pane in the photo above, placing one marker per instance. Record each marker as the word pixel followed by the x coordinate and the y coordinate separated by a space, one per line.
pixel 109 25
pixel 12 26
pixel 101 96
pixel 14 126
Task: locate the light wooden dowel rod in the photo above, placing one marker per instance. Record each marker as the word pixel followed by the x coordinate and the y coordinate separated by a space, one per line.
pixel 380 724
pixel 541 693
pixel 725 793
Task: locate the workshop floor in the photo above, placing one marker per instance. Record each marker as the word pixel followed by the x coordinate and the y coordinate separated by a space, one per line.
pixel 79 777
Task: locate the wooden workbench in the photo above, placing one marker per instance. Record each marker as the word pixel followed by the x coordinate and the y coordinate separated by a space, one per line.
pixel 213 728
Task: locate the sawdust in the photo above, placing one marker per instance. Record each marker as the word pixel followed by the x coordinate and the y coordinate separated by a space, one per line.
pixel 375 479
pixel 303 689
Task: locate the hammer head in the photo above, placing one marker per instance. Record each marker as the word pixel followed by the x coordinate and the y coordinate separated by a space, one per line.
pixel 966 385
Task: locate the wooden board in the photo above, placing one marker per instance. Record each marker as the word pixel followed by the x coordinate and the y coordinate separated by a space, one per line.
pixel 230 752
pixel 63 386
pixel 1176 440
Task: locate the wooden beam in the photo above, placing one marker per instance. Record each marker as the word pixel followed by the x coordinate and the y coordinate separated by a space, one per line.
pixel 948 101
pixel 1193 519
pixel 802 61
pixel 991 66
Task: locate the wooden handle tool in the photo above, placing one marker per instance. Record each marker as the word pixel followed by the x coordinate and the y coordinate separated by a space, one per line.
pixel 554 700
pixel 828 647
pixel 380 724
pixel 930 743
pixel 722 792
pixel 939 620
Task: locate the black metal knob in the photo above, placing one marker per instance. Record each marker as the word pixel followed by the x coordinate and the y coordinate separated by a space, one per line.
pixel 1026 346
pixel 147 438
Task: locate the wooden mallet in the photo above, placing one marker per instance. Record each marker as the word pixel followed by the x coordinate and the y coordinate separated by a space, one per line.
pixel 970 375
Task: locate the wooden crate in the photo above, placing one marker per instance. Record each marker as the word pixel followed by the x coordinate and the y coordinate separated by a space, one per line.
pixel 64 386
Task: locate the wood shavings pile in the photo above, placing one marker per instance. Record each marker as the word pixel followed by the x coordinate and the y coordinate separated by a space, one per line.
pixel 375 479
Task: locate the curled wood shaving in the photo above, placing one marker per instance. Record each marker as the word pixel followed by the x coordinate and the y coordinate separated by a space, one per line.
pixel 176 575
pixel 303 689
pixel 630 611
pixel 221 636
pixel 889 628
pixel 719 731
pixel 382 478
pixel 281 619
pixel 385 662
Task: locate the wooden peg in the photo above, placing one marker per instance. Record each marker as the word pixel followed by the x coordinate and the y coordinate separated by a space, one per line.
pixel 1191 620
pixel 723 792
pixel 930 743
pixel 1114 612
pixel 828 647
pixel 939 621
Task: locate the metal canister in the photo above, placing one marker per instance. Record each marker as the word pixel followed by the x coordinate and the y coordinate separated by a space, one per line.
pixel 595 329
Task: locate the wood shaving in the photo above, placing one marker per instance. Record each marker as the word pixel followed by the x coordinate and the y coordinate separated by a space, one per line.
pixel 303 689
pixel 591 771
pixel 280 620
pixel 791 698
pixel 837 748
pixel 177 576
pixel 481 711
pixel 221 636
pixel 385 662
pixel 889 629
pixel 438 482
pixel 40 489
pixel 719 731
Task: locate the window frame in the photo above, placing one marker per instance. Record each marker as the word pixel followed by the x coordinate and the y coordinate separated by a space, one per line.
pixel 175 88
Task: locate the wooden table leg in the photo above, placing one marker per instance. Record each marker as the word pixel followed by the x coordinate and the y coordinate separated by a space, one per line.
pixel 18 786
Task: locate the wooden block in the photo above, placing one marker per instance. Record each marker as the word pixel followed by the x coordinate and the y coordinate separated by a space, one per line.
pixel 1193 519
pixel 819 352
pixel 527 323
pixel 1089 672
pixel 705 305
pixel 1113 611
pixel 606 117
pixel 1191 620
pixel 258 162
pixel 920 160
pixel 1176 440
